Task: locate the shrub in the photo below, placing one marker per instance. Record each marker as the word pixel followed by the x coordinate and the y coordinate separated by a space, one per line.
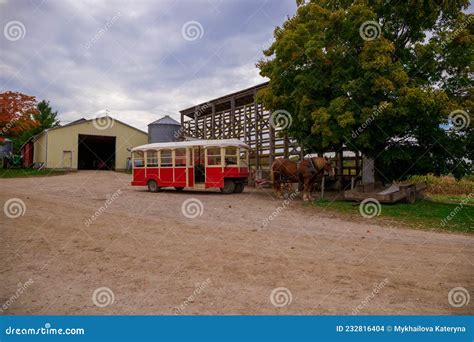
pixel 445 184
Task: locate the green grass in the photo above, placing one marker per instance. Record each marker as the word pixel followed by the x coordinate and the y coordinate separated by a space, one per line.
pixel 454 199
pixel 16 173
pixel 422 214
pixel 469 178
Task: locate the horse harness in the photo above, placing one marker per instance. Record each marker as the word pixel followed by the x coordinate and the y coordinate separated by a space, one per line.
pixel 298 174
pixel 312 166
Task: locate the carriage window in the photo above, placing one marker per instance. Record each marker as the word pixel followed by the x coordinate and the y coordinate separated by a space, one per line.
pixel 151 158
pixel 214 156
pixel 231 156
pixel 138 159
pixel 180 157
pixel 243 157
pixel 166 158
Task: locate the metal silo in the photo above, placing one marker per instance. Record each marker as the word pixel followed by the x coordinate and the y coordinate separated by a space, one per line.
pixel 165 129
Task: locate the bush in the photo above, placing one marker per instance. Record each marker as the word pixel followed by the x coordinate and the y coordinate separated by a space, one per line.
pixel 446 184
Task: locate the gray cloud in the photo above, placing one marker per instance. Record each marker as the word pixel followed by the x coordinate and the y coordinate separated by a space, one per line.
pixel 130 56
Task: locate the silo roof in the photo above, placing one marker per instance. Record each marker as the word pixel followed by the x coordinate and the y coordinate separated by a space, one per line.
pixel 165 120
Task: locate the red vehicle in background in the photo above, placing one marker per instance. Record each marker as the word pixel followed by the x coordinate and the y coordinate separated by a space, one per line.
pixel 199 164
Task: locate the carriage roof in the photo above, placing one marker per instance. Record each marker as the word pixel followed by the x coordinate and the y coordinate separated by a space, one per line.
pixel 192 143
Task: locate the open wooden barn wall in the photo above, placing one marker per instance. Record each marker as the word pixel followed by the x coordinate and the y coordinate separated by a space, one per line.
pixel 249 122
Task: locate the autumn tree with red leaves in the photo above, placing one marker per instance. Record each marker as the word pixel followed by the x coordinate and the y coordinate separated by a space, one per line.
pixel 17 112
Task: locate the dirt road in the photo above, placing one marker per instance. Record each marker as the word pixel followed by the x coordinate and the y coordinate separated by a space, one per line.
pixel 89 243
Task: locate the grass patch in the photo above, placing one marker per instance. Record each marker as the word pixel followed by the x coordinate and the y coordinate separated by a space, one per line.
pixel 17 173
pixel 454 199
pixel 422 214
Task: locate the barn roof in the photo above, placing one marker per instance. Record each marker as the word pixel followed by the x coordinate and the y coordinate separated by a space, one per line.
pixel 240 97
pixel 82 120
pixel 191 143
pixel 77 122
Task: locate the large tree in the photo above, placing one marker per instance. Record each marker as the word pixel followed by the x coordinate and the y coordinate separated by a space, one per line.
pixel 381 77
pixel 17 112
pixel 44 118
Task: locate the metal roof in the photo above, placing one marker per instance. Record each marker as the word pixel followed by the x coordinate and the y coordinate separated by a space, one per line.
pixel 82 120
pixel 205 108
pixel 192 143
pixel 165 120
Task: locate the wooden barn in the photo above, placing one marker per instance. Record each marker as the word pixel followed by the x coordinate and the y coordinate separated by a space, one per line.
pixel 239 115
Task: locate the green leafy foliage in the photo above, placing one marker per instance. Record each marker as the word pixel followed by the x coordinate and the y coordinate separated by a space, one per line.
pixel 379 77
pixel 44 117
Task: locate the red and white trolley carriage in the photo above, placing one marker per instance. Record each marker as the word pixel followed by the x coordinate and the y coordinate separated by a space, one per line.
pixel 199 164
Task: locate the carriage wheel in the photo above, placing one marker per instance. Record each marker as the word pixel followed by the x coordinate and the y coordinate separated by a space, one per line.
pixel 239 188
pixel 153 186
pixel 179 188
pixel 229 186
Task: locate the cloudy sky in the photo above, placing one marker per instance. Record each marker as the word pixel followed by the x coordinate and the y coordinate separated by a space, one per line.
pixel 138 59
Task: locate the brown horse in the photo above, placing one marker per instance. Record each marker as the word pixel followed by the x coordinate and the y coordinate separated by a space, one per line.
pixel 305 171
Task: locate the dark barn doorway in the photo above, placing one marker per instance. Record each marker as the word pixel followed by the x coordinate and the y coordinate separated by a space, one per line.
pixel 96 152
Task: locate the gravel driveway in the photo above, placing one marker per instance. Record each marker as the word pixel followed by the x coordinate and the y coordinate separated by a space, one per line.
pixel 89 243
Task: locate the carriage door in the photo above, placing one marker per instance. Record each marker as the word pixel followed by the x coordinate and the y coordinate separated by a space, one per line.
pixel 199 168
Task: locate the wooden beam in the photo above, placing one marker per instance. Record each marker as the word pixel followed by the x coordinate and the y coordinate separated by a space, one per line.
pixel 213 121
pixel 232 117
pixel 257 132
pixel 272 143
pixel 286 142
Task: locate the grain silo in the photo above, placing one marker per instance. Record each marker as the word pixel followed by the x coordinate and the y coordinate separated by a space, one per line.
pixel 165 129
